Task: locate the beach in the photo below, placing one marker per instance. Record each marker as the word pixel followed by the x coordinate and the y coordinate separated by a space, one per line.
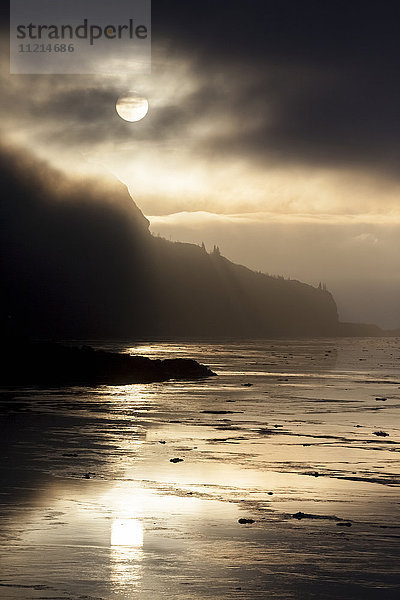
pixel 137 491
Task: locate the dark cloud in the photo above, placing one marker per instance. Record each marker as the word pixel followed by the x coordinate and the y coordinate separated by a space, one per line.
pixel 313 117
pixel 327 73
pixel 310 32
pixel 308 82
pixel 79 104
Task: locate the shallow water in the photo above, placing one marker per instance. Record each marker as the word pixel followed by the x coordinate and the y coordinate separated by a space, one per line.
pixel 92 507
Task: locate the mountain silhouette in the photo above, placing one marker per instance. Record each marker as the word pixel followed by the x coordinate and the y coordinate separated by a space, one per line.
pixel 78 262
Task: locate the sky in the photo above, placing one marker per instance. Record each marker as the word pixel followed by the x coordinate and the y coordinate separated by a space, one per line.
pixel 272 131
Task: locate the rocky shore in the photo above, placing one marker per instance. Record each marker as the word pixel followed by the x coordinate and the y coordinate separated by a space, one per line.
pixel 47 363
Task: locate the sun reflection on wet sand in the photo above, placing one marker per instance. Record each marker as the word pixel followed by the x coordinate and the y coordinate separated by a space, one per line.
pixel 126 553
pixel 127 532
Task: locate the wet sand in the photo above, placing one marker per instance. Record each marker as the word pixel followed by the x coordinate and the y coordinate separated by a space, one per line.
pixel 302 438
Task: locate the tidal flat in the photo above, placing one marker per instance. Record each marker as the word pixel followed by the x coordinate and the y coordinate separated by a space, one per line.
pixel 277 479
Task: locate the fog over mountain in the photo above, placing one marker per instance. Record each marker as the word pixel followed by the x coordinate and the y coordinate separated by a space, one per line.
pixel 272 132
pixel 78 261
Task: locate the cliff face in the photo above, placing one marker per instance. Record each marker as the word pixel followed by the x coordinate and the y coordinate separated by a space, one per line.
pixel 78 261
pixel 209 295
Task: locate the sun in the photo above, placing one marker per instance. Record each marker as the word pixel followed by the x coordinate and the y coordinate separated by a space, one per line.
pixel 132 107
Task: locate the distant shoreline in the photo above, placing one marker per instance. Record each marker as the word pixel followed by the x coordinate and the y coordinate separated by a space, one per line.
pixel 347 329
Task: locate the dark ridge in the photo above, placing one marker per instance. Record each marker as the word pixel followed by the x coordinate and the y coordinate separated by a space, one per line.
pixel 78 262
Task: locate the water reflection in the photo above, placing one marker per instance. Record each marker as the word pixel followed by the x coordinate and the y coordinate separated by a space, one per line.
pixel 126 553
pixel 127 532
